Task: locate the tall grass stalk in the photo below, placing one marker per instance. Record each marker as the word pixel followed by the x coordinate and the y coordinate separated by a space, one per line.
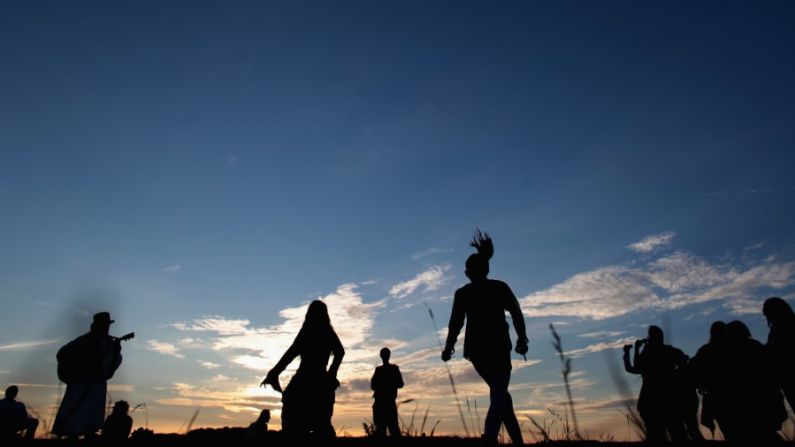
pixel 566 362
pixel 449 373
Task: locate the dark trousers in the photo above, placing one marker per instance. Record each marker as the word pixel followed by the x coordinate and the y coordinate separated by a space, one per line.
pixel 385 416
pixel 497 375
pixel 12 428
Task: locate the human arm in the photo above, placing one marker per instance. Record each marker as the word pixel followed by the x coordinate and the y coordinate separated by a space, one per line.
pixel 628 366
pixel 338 352
pixel 272 378
pixel 454 327
pixel 374 380
pixel 512 306
pixel 399 377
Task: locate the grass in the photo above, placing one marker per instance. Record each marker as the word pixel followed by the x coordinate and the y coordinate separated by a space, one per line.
pixel 573 431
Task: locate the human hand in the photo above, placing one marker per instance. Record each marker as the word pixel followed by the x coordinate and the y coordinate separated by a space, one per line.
pixel 333 381
pixel 447 354
pixel 272 379
pixel 627 348
pixel 521 346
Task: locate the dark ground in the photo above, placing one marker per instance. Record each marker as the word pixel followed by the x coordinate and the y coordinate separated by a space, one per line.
pixel 236 437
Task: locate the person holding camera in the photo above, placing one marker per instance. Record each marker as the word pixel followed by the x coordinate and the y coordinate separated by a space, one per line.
pixel 660 400
pixel 483 303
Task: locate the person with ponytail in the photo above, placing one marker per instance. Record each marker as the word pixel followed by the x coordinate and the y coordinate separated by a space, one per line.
pixel 308 400
pixel 487 343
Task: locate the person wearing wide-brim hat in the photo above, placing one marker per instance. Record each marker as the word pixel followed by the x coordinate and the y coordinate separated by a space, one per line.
pixel 85 364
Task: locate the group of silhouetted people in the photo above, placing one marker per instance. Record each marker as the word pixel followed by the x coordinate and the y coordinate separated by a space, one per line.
pixel 743 382
pixel 85 364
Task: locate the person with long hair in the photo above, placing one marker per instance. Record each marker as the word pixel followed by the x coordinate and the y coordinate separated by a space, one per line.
pixel 308 400
pixel 487 343
pixel 755 405
pixel 781 344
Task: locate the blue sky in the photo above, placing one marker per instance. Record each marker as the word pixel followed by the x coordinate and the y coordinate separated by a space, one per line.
pixel 204 170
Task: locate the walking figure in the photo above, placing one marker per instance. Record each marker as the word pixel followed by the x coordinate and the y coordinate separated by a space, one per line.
pixel 85 364
pixel 308 400
pixel 385 383
pixel 487 344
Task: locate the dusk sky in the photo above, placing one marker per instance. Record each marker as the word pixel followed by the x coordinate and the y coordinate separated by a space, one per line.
pixel 203 170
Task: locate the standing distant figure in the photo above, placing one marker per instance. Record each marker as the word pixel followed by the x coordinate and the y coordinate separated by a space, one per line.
pixel 487 344
pixel 86 364
pixel 751 387
pixel 257 432
pixel 660 400
pixel 308 400
pixel 14 416
pixel 710 370
pixel 781 344
pixel 118 424
pixel 385 383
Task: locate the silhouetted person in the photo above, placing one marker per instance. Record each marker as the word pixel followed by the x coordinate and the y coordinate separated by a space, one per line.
pixel 257 432
pixel 385 383
pixel 781 344
pixel 14 416
pixel 308 400
pixel 86 364
pixel 688 400
pixel 709 367
pixel 660 400
pixel 118 424
pixel 487 344
pixel 755 406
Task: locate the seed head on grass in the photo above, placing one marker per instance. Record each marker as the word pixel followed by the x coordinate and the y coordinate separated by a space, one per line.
pixel 566 362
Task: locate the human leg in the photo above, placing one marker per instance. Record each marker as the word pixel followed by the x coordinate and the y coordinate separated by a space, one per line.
pixel 497 375
pixel 379 424
pixel 30 424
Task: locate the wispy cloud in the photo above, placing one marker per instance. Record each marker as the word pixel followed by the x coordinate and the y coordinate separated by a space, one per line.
pixel 230 397
pixel 653 242
pixel 598 294
pixel 219 324
pixel 173 268
pixel 430 252
pixel 429 280
pixel 164 348
pixel 260 348
pixel 601 346
pixel 27 345
pixel 601 334
pixel 670 282
pixel 756 246
pixel 208 365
